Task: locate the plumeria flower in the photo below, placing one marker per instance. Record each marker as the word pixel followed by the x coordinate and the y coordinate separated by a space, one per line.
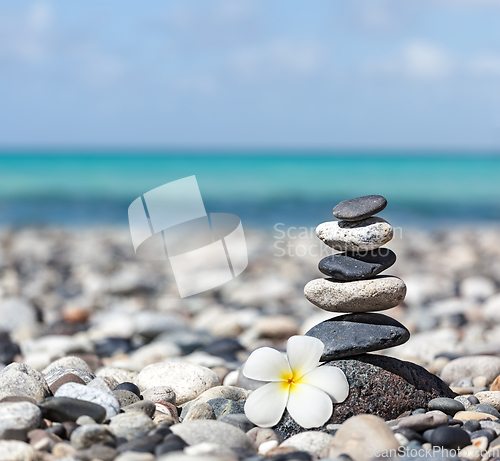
pixel 296 384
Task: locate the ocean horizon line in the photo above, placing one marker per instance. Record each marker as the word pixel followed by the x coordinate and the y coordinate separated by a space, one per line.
pixel 172 151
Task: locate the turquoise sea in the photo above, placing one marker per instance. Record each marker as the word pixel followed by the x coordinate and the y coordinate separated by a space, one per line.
pixel 263 188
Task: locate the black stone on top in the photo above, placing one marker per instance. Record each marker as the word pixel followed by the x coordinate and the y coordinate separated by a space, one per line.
pixel 353 334
pixel 349 266
pixel 356 209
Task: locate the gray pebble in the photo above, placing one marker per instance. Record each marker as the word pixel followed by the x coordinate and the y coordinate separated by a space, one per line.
pixel 484 408
pixel 19 416
pixel 446 405
pixel 89 434
pixel 200 431
pixel 18 379
pixel 125 398
pixel 77 391
pixel 199 410
pixel 129 424
pixel 145 406
pixel 225 407
pixel 239 420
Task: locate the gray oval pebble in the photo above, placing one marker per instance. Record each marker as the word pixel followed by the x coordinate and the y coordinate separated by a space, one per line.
pixel 448 406
pixel 358 208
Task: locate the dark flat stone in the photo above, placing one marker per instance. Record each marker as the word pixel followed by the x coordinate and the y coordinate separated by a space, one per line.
pixel 355 334
pixel 378 385
pixel 450 437
pixel 448 406
pixel 63 409
pixel 356 209
pixel 349 266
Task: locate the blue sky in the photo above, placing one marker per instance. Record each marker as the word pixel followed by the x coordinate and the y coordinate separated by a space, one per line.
pixel 258 73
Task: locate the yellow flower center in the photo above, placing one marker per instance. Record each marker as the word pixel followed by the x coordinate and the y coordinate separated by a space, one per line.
pixel 288 379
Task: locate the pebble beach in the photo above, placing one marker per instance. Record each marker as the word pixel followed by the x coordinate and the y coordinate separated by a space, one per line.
pixel 104 361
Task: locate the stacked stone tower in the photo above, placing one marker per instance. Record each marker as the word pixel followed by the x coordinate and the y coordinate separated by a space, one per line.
pixel 353 284
pixel 378 384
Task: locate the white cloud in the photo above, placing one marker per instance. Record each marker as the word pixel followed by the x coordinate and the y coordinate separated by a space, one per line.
pixel 278 59
pixel 27 38
pixel 486 64
pixel 425 61
pixel 417 60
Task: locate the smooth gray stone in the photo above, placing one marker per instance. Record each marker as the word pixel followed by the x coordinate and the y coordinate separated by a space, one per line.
pixel 358 208
pixel 354 334
pixel 348 266
pixel 448 406
pixel 63 409
pixel 90 434
pixel 484 408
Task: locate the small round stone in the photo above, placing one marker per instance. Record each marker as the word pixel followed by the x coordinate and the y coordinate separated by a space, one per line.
pixel 379 293
pixel 126 386
pixel 472 425
pixel 89 434
pixel 129 424
pixel 489 397
pixel 450 437
pixel 225 407
pixel 358 236
pixel 19 416
pixel 125 398
pixel 349 266
pixel 186 379
pixel 354 334
pixel 18 379
pixel 17 450
pixel 448 406
pixel 159 394
pixel 358 208
pixel 199 431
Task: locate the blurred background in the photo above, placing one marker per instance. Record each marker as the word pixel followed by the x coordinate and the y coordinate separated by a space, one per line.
pixel 281 109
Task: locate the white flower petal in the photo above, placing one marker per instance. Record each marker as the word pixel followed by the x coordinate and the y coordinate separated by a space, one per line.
pixel 303 353
pixel 265 406
pixel 309 406
pixel 332 380
pixel 267 364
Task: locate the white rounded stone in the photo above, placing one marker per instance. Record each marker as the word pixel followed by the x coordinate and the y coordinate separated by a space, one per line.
pixel 186 379
pixel 364 235
pixel 379 293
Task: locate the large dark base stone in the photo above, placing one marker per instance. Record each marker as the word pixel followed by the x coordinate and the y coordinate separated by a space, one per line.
pixel 355 334
pixel 378 385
